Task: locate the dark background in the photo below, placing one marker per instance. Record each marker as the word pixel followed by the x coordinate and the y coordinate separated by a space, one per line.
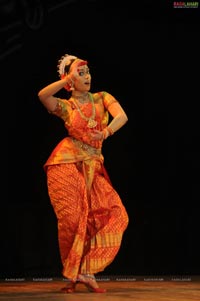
pixel 146 54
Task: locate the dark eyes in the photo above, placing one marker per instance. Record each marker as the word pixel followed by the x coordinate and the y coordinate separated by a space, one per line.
pixel 81 73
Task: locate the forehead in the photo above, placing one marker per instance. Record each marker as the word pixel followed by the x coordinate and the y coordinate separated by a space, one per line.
pixel 79 63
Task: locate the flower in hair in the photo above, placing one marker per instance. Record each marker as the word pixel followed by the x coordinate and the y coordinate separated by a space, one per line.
pixel 65 60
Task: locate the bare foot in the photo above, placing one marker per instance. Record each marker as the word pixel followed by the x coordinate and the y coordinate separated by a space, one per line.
pixel 90 282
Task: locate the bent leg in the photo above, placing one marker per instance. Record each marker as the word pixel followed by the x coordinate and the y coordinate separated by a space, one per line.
pixel 67 194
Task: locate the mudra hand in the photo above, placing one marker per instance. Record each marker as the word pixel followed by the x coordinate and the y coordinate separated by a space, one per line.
pixel 69 82
pixel 96 135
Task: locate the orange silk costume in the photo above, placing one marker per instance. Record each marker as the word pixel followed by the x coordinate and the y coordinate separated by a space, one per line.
pixel 90 214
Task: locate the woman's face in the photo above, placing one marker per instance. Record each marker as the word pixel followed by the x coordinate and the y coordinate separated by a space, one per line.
pixel 81 72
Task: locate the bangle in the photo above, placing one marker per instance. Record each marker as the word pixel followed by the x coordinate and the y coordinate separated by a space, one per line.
pixel 69 86
pixel 105 133
pixel 110 131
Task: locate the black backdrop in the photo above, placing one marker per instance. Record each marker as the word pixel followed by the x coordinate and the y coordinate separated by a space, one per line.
pixel 147 55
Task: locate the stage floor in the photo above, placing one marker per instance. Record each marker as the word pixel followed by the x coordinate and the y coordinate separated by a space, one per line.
pixel 141 290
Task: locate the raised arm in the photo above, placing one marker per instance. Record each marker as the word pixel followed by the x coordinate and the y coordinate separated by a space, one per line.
pixel 46 95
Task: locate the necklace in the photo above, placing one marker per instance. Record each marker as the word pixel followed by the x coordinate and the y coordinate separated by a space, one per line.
pixel 91 120
pixel 81 98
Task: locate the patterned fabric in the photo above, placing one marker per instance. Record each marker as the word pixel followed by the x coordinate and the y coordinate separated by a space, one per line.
pixel 90 214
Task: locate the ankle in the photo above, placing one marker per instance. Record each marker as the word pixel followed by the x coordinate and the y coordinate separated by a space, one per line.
pixel 88 279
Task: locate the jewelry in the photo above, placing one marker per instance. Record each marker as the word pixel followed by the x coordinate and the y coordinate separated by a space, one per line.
pixel 91 120
pixel 65 61
pixel 81 98
pixel 111 132
pixel 86 147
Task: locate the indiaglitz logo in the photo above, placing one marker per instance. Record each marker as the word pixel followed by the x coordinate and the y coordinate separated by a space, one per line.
pixel 187 4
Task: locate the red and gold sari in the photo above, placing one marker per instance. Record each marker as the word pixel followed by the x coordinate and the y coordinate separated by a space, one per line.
pixel 90 214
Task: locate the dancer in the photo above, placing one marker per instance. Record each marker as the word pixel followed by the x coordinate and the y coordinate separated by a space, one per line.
pixel 90 214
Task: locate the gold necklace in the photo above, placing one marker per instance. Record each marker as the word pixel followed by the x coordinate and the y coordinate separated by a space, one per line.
pixel 91 120
pixel 81 98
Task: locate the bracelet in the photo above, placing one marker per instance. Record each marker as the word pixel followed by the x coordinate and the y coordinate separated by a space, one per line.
pixel 68 86
pixel 107 132
pixel 104 132
pixel 110 131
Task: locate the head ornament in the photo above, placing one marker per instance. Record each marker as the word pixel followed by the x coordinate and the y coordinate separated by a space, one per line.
pixel 65 60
